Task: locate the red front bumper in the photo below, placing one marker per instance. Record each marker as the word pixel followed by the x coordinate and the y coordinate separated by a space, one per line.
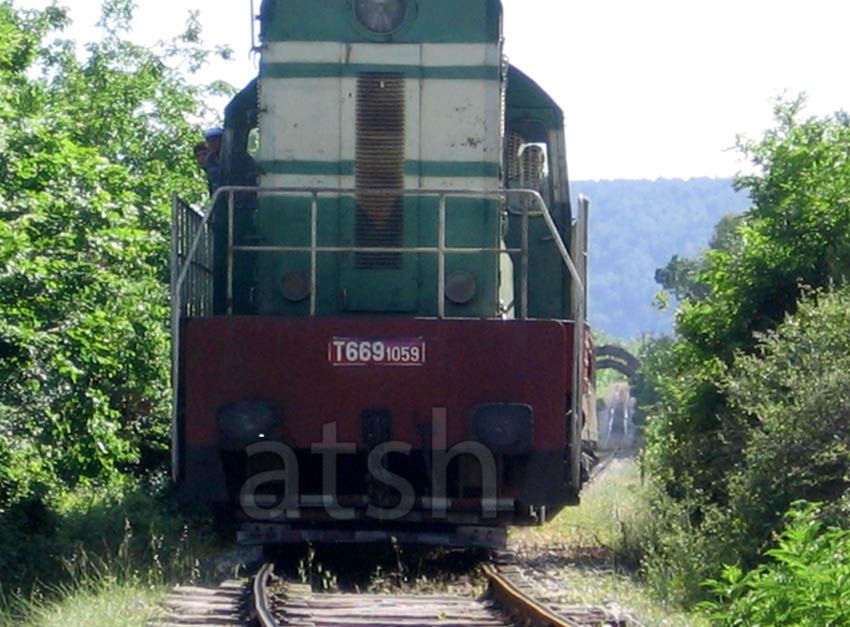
pixel 285 362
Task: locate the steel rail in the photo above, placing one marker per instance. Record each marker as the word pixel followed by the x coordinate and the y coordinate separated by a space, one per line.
pixel 527 610
pixel 603 464
pixel 262 610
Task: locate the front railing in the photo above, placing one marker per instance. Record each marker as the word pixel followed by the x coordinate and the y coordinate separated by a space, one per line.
pixel 191 260
pixel 196 260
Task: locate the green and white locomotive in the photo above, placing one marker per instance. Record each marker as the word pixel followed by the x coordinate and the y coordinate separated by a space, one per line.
pixel 392 254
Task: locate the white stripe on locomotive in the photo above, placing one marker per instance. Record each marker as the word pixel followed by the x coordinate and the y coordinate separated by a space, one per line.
pixel 303 119
pixel 428 55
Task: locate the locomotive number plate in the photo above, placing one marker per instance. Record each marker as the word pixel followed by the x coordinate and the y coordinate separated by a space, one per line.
pixel 349 351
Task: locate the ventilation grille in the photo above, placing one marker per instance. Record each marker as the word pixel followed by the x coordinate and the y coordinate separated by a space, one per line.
pixel 380 165
pixel 533 166
pixel 513 145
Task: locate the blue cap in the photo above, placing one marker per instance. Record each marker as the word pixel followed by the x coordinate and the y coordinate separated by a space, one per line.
pixel 213 132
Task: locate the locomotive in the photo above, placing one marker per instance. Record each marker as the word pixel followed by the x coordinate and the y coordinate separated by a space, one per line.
pixel 379 321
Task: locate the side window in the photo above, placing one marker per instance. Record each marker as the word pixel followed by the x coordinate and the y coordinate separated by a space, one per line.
pixel 527 159
pixel 533 166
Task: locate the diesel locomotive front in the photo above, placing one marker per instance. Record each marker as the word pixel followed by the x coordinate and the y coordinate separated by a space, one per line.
pixel 380 319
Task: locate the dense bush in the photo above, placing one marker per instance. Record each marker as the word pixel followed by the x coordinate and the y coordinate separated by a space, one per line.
pixel 91 531
pixel 749 407
pixel 788 402
pixel 795 391
pixel 804 583
pixel 790 243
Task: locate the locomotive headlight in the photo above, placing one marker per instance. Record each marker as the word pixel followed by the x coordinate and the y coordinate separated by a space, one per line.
pixel 246 422
pixel 460 287
pixel 381 16
pixel 504 428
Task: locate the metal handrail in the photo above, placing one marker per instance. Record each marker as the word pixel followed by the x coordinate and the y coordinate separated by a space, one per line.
pixel 580 314
pixel 440 250
pixel 578 272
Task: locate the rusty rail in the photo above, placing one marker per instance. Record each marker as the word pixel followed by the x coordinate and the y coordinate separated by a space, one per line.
pixel 520 605
pixel 516 599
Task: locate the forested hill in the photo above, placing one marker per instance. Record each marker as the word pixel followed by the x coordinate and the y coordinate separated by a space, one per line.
pixel 636 226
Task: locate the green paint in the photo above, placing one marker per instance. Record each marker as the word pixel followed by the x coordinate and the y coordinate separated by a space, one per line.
pixel 385 290
pixel 533 113
pixel 470 222
pixel 548 295
pixel 352 70
pixel 345 289
pixel 307 168
pixel 450 169
pixel 412 289
pixel 285 221
pixel 526 99
pixel 428 21
pixel 441 169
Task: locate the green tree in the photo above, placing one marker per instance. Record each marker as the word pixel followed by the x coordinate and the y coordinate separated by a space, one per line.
pixel 794 388
pixel 791 241
pixel 682 275
pixel 736 434
pixel 794 238
pixel 90 153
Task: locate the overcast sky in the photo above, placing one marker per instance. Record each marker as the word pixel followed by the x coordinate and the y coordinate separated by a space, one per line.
pixel 651 88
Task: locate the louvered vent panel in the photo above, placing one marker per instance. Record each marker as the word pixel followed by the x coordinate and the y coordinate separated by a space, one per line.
pixel 513 144
pixel 533 164
pixel 380 165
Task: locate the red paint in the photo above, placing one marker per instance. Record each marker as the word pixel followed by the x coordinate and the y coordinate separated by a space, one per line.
pixel 286 362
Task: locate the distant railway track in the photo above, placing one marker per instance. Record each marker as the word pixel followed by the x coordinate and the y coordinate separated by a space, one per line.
pixel 603 464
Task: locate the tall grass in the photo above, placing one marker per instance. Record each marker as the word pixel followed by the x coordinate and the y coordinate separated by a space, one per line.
pixel 104 558
pixel 608 523
pixel 595 549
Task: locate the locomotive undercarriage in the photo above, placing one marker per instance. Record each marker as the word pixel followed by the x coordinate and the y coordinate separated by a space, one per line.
pixel 353 505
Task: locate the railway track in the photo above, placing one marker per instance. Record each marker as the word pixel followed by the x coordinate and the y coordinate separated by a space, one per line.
pixel 271 602
pixel 508 601
pixel 227 604
pixel 603 464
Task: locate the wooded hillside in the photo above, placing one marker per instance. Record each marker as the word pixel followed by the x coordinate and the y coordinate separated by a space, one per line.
pixel 637 226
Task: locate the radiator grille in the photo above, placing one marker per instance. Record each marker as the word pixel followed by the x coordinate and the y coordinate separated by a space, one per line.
pixel 533 166
pixel 379 165
pixel 513 145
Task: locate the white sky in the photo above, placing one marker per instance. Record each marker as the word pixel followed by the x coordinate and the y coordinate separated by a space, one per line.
pixel 651 88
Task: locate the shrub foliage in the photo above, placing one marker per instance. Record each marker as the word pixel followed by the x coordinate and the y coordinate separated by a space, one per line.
pixel 803 584
pixel 749 406
pixel 90 151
